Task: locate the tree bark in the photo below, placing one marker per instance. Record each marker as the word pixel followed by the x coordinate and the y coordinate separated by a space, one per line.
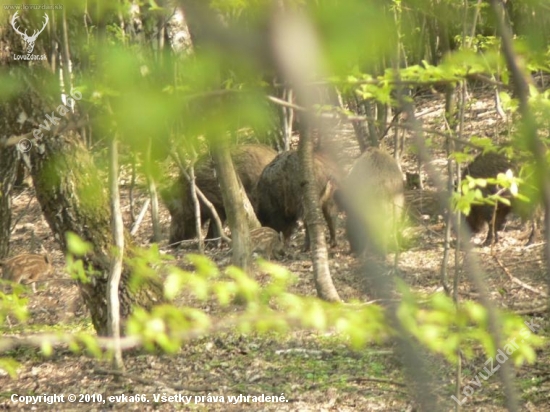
pixel 73 199
pixel 297 62
pixel 8 168
pixel 10 111
pixel 67 184
pixel 115 272
pixel 153 194
pixel 197 208
pixel 314 219
pixel 233 194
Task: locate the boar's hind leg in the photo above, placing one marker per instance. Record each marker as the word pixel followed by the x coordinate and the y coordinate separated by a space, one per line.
pixel 330 215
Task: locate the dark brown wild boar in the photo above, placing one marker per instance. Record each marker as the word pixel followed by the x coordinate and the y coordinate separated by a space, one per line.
pixel 249 161
pixel 279 194
pixel 486 166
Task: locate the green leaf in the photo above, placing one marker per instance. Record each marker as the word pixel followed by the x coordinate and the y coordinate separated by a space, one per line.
pixel 10 366
pixel 76 246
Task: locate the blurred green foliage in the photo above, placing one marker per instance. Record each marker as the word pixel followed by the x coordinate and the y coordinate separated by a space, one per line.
pixel 447 329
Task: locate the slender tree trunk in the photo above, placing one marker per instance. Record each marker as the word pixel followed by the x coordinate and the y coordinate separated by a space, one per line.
pixel 197 206
pixel 132 187
pixel 152 188
pixel 288 118
pixel 521 81
pixel 314 218
pixel 359 126
pixel 115 272
pixel 232 195
pixel 297 68
pixel 153 194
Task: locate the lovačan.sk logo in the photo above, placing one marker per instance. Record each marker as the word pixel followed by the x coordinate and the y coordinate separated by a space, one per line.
pixel 29 40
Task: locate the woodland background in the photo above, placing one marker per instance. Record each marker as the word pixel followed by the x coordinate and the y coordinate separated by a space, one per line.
pixel 434 82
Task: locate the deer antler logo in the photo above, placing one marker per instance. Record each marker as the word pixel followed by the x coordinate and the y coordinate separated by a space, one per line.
pixel 29 40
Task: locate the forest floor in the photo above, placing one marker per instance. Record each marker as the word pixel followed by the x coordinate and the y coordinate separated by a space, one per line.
pixel 314 371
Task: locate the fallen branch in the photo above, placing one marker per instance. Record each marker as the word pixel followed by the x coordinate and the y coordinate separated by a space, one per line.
pixel 533 311
pixel 517 281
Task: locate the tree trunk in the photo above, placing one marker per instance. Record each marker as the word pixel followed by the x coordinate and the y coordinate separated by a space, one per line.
pixel 67 184
pixel 115 272
pixel 297 69
pixel 153 194
pixel 152 188
pixel 206 28
pixel 197 207
pixel 233 194
pixel 73 199
pixel 8 168
pixel 359 126
pixel 314 219
pixel 10 111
